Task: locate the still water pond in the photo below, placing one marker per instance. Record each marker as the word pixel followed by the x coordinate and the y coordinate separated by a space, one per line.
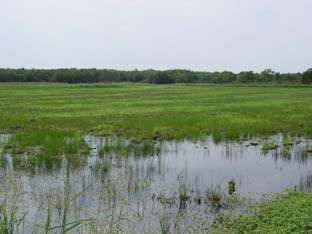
pixel 177 186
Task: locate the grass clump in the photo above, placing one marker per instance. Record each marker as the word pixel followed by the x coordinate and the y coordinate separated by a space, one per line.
pixel 214 197
pixel 183 193
pixel 122 147
pixel 287 141
pixel 9 221
pixel 45 147
pixel 164 221
pixel 288 213
pixel 231 187
pixel 47 142
pixel 267 146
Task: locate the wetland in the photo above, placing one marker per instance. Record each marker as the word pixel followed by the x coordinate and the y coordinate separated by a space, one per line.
pixel 125 158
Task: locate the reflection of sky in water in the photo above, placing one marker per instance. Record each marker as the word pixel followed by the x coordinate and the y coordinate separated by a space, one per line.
pixel 253 171
pixel 200 166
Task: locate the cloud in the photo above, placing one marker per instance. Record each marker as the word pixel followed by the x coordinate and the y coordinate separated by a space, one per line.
pixel 199 34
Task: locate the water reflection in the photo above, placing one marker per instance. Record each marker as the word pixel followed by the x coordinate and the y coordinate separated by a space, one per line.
pixel 134 187
pixel 306 182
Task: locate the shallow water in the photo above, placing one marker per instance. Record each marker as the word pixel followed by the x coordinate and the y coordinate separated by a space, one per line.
pixel 140 190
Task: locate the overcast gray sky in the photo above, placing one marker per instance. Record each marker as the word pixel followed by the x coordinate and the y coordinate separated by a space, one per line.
pixel 161 34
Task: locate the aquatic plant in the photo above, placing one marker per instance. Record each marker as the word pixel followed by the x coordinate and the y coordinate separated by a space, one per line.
pixel 122 147
pixel 165 201
pixel 214 197
pixel 11 217
pixel 286 213
pixel 164 222
pixel 47 142
pixel 183 193
pixel 231 187
pixel 65 225
pixel 267 146
pixel 287 141
pixel 9 221
pixel 101 168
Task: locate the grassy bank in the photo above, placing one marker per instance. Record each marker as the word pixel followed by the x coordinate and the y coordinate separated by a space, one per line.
pixel 290 213
pixel 163 111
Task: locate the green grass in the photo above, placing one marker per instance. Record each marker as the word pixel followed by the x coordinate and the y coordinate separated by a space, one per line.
pixel 266 146
pixel 122 147
pixel 45 147
pixel 287 141
pixel 290 213
pixel 143 111
pixel 50 142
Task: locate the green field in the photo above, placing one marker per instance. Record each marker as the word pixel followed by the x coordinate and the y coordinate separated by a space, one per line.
pixel 162 112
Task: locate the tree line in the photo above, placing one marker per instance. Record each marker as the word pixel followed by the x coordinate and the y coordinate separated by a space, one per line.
pixel 74 75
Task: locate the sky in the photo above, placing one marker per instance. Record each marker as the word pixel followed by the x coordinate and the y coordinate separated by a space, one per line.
pixel 205 35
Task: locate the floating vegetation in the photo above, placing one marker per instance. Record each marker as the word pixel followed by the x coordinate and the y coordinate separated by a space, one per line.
pixel 287 141
pixel 267 146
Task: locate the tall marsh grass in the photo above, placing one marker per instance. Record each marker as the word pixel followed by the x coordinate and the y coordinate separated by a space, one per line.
pixel 49 142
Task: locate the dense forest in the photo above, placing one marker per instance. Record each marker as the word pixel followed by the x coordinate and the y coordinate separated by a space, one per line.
pixel 150 76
